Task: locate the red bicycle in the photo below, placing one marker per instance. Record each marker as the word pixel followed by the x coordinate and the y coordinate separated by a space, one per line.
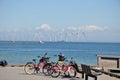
pixel 34 67
pixel 60 67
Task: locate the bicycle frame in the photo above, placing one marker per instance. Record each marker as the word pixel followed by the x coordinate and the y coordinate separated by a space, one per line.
pixel 60 67
pixel 63 68
pixel 34 66
pixel 41 64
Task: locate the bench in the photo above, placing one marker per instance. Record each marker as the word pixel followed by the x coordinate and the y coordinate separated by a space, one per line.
pixel 87 71
pixel 79 70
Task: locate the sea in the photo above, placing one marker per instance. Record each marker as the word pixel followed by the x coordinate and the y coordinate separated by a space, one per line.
pixel 20 52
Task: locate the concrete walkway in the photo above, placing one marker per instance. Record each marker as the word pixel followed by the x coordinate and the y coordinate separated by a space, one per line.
pixel 17 73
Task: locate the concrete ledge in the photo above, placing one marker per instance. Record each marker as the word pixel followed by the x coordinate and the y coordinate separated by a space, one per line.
pixel 108 61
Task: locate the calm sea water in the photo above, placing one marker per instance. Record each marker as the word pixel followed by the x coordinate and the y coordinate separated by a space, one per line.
pixel 82 52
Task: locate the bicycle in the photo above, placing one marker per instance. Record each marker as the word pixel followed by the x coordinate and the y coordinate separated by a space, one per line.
pixel 34 67
pixel 47 67
pixel 67 69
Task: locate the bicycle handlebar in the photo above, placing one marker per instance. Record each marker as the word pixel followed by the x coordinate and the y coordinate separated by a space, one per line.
pixel 45 54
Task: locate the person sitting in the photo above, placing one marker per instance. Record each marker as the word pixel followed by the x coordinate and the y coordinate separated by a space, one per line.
pixel 3 63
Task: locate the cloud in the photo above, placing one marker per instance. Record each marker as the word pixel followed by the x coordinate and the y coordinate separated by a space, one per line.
pixel 87 28
pixel 44 27
pixel 94 28
pixel 73 28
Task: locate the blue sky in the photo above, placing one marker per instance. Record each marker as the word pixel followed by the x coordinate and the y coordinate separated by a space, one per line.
pixel 56 20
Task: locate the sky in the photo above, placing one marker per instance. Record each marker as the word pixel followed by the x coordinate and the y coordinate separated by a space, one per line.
pixel 60 20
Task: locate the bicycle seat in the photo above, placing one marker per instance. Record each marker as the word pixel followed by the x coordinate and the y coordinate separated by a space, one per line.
pixel 34 59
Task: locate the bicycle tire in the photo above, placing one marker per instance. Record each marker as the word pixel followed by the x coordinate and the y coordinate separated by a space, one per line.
pixel 29 68
pixel 46 69
pixel 72 72
pixel 55 71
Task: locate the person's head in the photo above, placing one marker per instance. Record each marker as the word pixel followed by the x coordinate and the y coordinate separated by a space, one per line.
pixel 62 55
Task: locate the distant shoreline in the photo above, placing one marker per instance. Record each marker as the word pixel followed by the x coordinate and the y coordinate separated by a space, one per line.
pixel 32 42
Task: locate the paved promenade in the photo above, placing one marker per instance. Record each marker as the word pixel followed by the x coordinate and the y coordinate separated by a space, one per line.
pixel 17 73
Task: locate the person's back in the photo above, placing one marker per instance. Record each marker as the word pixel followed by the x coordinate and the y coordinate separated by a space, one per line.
pixel 61 57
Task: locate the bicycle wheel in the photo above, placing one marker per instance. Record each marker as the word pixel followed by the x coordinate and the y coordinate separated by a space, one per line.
pixel 72 71
pixel 29 68
pixel 54 71
pixel 46 69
